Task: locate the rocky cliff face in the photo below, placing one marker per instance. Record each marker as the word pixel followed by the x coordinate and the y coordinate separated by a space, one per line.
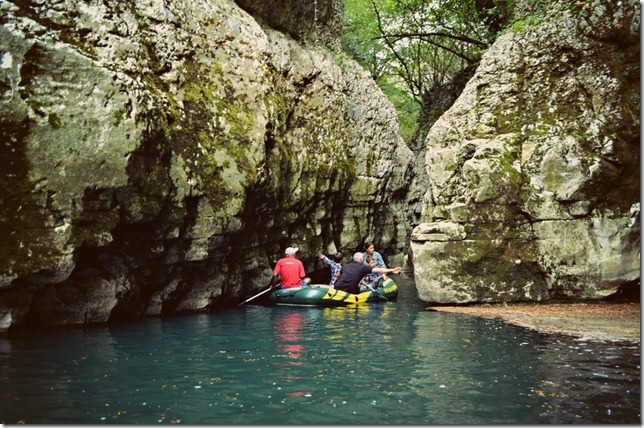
pixel 534 172
pixel 158 156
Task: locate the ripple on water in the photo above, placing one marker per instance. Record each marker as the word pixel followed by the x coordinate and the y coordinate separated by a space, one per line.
pixel 275 365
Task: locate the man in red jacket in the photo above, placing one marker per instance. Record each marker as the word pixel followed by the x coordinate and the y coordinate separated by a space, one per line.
pixel 290 270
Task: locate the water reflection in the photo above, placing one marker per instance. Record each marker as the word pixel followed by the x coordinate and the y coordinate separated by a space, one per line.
pixel 288 332
pixel 371 364
pixel 491 372
pixel 468 371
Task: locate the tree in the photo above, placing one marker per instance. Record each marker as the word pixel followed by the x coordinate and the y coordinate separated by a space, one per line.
pixel 432 40
pixel 360 35
pixel 420 45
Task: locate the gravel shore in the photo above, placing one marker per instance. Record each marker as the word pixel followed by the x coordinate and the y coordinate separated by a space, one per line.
pixel 597 321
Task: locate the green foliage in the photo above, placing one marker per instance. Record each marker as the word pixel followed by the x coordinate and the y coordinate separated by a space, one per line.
pixel 635 99
pixel 539 10
pixel 530 21
pixel 406 107
pixel 419 45
pixel 359 38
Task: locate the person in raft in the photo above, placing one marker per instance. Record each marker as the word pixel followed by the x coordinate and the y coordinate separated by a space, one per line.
pixel 290 270
pixel 353 272
pixel 370 251
pixel 370 280
pixel 334 264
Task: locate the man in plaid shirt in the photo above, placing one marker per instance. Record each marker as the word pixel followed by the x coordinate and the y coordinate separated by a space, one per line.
pixel 334 264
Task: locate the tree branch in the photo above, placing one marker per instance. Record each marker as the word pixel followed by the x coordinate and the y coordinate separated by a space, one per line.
pixel 425 36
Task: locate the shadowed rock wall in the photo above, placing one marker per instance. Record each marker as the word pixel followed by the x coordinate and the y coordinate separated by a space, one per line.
pixel 159 156
pixel 305 20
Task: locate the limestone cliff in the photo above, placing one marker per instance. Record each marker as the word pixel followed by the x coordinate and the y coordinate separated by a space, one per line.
pixel 158 156
pixel 534 171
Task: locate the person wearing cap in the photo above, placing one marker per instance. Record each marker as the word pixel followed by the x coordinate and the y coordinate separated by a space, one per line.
pixel 290 270
pixel 353 272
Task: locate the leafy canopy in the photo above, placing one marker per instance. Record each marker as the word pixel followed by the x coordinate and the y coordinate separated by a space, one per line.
pixel 416 45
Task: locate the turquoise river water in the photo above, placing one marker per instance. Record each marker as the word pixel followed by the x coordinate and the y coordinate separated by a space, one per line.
pixel 388 363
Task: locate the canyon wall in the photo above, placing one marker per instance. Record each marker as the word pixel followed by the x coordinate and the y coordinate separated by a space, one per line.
pixel 159 156
pixel 535 170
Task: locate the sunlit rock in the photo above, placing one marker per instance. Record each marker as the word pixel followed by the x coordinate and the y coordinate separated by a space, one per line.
pixel 538 161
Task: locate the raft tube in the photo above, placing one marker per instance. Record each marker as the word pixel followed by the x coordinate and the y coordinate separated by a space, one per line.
pixel 323 295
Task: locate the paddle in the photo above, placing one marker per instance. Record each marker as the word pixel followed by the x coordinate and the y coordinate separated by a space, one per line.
pixel 374 290
pixel 270 288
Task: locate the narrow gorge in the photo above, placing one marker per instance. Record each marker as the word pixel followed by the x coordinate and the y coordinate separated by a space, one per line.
pixel 159 156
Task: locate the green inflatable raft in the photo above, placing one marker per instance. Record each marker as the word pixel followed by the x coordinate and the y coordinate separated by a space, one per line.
pixel 323 295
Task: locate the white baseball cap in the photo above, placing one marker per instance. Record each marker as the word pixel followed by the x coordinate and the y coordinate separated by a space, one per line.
pixel 291 251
